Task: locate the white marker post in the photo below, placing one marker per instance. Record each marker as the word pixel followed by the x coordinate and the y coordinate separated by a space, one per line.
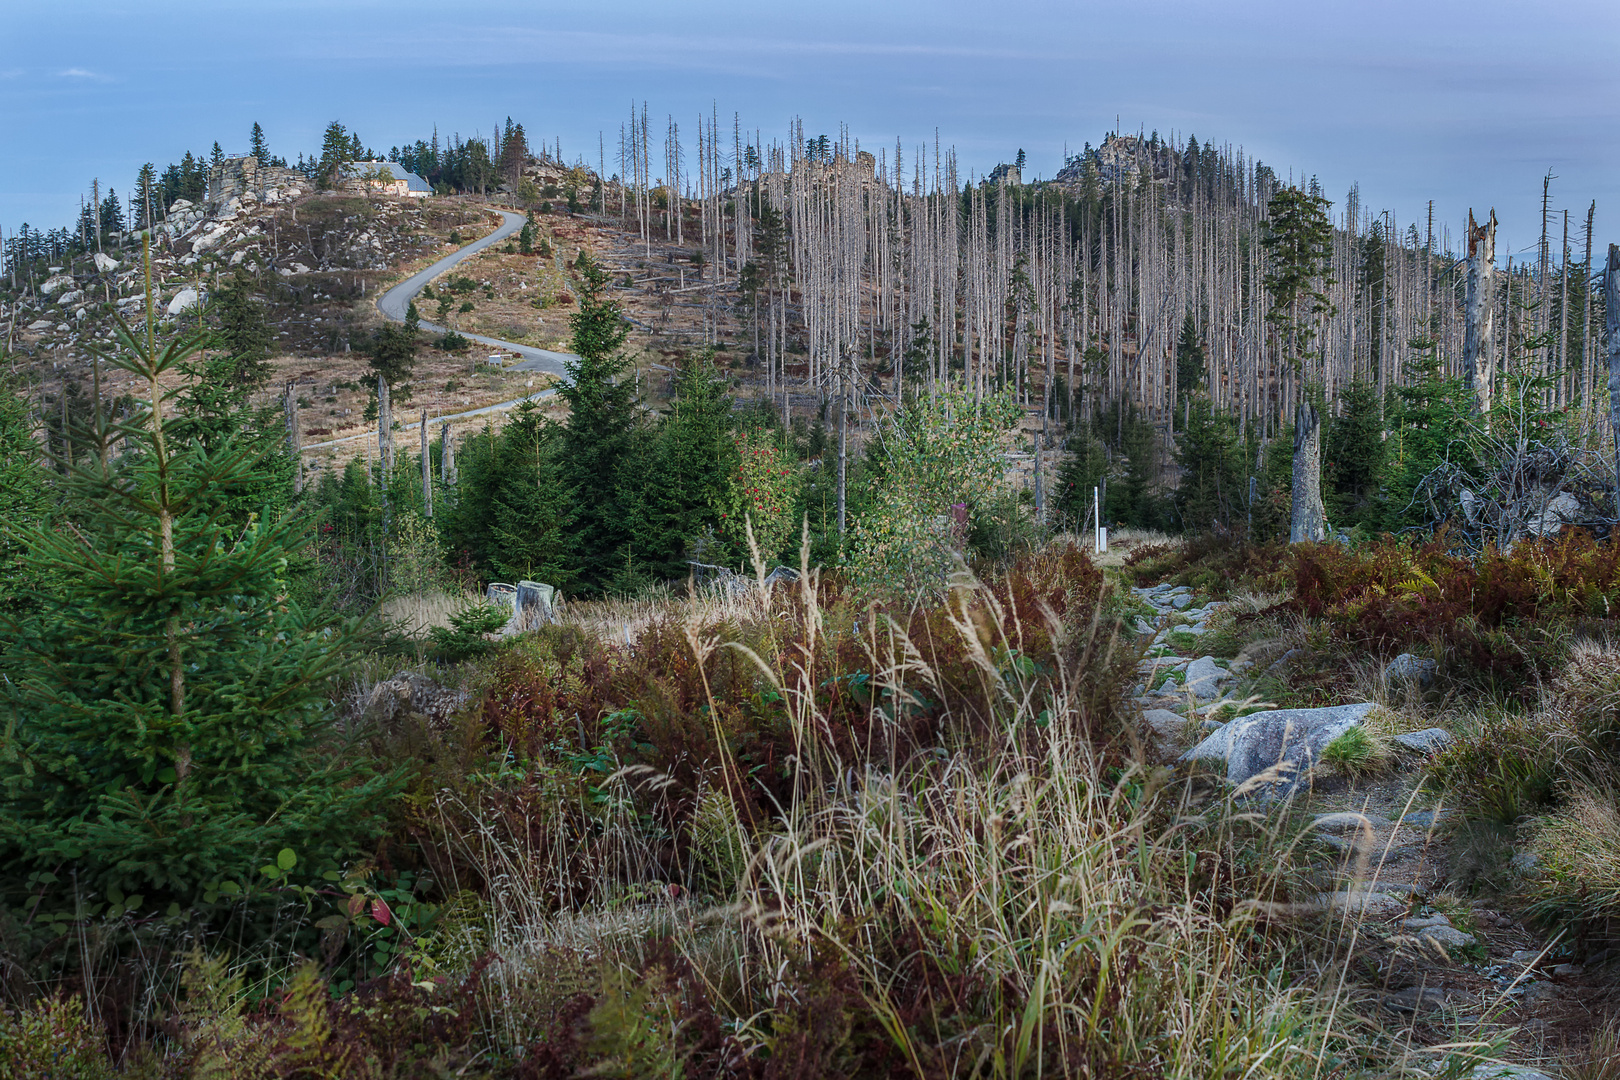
pixel 1096 521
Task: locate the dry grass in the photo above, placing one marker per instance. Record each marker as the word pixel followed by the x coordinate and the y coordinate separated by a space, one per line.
pixel 1030 912
pixel 414 614
pixel 624 620
pixel 1122 544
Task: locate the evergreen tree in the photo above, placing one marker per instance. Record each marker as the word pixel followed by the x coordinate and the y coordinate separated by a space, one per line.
pixel 25 497
pixel 144 209
pixel 167 705
pixel 257 145
pixel 1430 415
pixel 1354 456
pixel 216 157
pixel 514 153
pixel 214 407
pixel 678 493
pixel 599 443
pixel 112 213
pixel 1189 358
pixel 392 353
pixel 337 150
pixel 512 518
pixel 1213 489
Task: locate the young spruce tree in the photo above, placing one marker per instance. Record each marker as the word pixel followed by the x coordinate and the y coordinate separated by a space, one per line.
pixel 166 708
pixel 599 445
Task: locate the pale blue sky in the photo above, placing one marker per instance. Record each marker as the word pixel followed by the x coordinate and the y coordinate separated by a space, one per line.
pixel 1467 103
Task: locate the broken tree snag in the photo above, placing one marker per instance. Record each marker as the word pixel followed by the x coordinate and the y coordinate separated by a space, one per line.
pixel 1309 519
pixel 385 429
pixel 1611 323
pixel 1479 326
pixel 447 456
pixel 427 470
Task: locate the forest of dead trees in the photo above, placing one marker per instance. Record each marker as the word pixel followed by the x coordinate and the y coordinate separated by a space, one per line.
pixel 1073 291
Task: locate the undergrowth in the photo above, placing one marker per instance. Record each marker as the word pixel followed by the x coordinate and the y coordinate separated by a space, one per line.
pixel 810 838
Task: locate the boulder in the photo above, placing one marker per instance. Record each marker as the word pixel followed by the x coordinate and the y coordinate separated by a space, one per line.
pixel 1559 512
pixel 105 263
pixel 40 324
pixel 1506 1072
pixel 408 693
pixel 1407 668
pixel 1428 741
pixel 1165 724
pixel 1181 602
pixel 71 297
pixel 1364 902
pixel 1446 936
pixel 179 205
pixel 184 300
pixel 56 284
pixel 1288 741
pixel 1425 819
pixel 1345 821
pixel 1204 678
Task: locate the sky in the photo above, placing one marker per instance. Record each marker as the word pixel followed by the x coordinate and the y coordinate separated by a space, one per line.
pixel 1468 104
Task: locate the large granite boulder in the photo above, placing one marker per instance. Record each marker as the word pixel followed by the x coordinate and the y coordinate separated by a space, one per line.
pixel 184 300
pixel 1284 743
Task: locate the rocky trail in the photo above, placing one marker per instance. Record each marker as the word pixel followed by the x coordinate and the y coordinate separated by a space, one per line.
pixel 1378 850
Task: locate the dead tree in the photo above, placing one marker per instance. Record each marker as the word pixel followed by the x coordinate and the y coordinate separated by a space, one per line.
pixel 1611 322
pixel 1479 326
pixel 427 470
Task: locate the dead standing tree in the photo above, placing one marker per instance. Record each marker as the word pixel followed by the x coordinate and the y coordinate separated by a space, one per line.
pixel 1479 326
pixel 1611 320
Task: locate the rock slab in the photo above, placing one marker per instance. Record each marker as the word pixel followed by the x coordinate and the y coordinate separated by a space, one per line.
pixel 1407 668
pixel 1204 678
pixel 1289 741
pixel 1428 741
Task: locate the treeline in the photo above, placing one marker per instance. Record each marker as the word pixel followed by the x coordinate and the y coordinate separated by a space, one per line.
pixel 472 165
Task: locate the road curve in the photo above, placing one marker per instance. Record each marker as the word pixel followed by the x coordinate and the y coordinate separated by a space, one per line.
pixel 394 303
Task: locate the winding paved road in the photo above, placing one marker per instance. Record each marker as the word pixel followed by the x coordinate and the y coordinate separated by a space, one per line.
pixel 396 301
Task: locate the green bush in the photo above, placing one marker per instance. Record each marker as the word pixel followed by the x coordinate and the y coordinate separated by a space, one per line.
pixel 1505 772
pixel 452 342
pixel 52 1039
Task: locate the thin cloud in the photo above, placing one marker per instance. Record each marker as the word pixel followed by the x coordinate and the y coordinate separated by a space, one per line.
pixel 80 73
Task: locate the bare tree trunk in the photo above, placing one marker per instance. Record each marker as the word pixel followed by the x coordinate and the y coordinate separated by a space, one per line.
pixel 843 436
pixel 447 456
pixel 1479 327
pixel 385 430
pixel 1611 321
pixel 427 470
pixel 1309 519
